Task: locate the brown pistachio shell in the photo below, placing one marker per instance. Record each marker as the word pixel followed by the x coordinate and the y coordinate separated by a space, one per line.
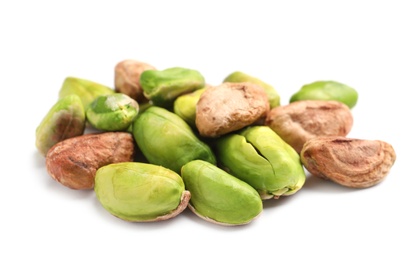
pixel 74 161
pixel 350 162
pixel 300 121
pixel 229 107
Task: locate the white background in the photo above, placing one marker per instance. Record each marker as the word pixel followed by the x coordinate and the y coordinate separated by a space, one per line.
pixel 369 45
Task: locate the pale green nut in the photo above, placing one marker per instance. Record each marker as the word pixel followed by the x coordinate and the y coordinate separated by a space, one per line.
pixel 140 192
pixel 162 87
pixel 185 106
pixel 87 90
pixel 258 156
pixel 271 92
pixel 113 112
pixel 327 90
pixel 166 139
pixel 65 119
pixel 218 196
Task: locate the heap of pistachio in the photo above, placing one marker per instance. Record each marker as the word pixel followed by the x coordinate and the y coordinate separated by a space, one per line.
pixel 165 140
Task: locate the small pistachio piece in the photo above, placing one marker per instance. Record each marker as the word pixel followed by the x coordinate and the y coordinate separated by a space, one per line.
pixel 127 78
pixel 65 119
pixel 166 139
pixel 113 112
pixel 185 106
pixel 303 120
pixel 219 197
pixel 327 90
pixel 259 157
pixel 273 96
pixel 350 162
pixel 162 87
pixel 87 90
pixel 140 192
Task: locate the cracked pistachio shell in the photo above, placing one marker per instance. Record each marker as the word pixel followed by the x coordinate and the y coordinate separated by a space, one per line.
pixel 219 197
pixel 140 192
pixel 327 90
pixel 185 106
pixel 65 119
pixel 162 87
pixel 87 90
pixel 273 96
pixel 166 139
pixel 113 112
pixel 258 156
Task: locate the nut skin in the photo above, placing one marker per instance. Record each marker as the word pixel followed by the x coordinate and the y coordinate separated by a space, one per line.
pixel 327 90
pixel 239 76
pixel 166 139
pixel 162 87
pixel 219 197
pixel 87 90
pixel 127 78
pixel 140 192
pixel 350 162
pixel 229 107
pixel 65 119
pixel 258 156
pixel 185 106
pixel 74 161
pixel 113 112
pixel 300 121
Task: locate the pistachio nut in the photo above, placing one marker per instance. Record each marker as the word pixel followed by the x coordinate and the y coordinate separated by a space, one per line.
pixel 219 197
pixel 87 90
pixel 162 87
pixel 327 90
pixel 140 192
pixel 65 119
pixel 258 156
pixel 273 96
pixel 185 106
pixel 350 162
pixel 166 139
pixel 299 121
pixel 127 78
pixel 73 162
pixel 112 112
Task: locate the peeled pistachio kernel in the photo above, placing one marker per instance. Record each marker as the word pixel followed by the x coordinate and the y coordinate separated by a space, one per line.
pixel 113 112
pixel 258 156
pixel 162 87
pixel 327 90
pixel 185 106
pixel 273 96
pixel 140 192
pixel 219 197
pixel 350 162
pixel 87 90
pixel 65 119
pixel 166 139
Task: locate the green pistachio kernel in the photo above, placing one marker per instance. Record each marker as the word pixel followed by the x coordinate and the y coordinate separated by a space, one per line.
pixel 87 90
pixel 273 96
pixel 113 112
pixel 258 156
pixel 65 119
pixel 166 139
pixel 140 192
pixel 162 87
pixel 185 106
pixel 218 196
pixel 327 90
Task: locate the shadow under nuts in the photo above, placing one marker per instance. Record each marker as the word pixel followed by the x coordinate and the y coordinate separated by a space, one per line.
pixel 74 161
pixel 303 120
pixel 349 162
